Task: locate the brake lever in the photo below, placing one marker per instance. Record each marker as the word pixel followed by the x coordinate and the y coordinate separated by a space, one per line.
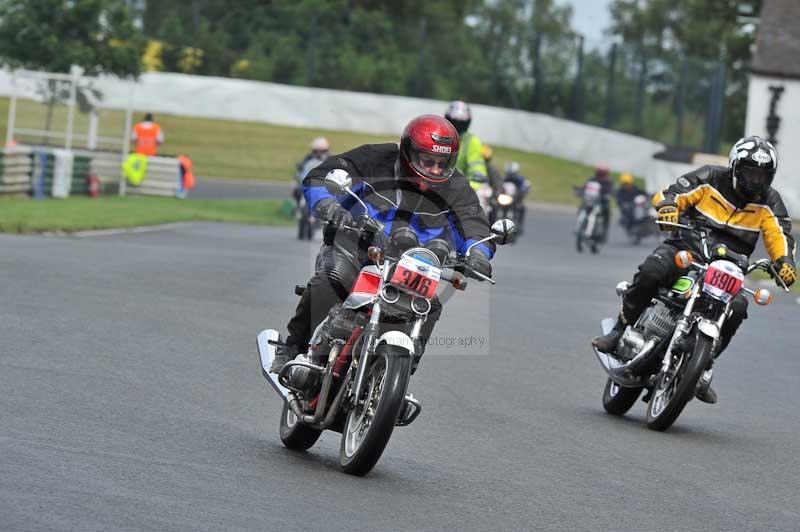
pixel 774 274
pixel 469 272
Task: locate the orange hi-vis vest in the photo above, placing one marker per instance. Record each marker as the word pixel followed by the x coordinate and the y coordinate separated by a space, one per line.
pixel 147 136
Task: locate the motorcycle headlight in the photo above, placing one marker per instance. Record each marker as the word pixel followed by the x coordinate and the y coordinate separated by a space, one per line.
pixel 505 200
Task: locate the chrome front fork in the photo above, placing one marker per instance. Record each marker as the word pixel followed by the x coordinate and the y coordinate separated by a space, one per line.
pixel 681 328
pixel 370 335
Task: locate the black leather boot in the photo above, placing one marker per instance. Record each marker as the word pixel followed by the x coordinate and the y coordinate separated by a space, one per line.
pixel 284 354
pixel 608 342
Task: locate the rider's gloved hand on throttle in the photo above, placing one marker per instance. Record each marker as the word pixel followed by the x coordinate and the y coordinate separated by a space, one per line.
pixel 329 210
pixel 336 215
pixel 479 263
pixel 786 270
pixel 667 212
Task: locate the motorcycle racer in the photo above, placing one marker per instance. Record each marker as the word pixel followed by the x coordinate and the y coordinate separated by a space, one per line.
pixel 415 191
pixel 735 204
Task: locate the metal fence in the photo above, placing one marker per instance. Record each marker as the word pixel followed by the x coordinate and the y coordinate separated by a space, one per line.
pixel 681 101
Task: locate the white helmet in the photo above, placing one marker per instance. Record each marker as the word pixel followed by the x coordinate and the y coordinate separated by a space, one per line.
pixel 459 115
pixel 320 144
pixel 512 167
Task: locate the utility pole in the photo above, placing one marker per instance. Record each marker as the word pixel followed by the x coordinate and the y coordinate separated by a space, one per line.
pixel 576 105
pixel 611 78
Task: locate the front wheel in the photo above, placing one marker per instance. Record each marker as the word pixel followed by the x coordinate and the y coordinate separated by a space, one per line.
pixel 370 423
pixel 618 400
pixel 294 434
pixel 676 386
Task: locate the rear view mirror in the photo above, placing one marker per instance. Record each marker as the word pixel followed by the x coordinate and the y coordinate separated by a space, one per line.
pixel 503 230
pixel 337 182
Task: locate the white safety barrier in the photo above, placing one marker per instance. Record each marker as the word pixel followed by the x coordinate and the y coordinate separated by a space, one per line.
pixel 234 99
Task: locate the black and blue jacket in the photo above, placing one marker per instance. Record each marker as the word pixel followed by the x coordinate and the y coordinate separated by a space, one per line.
pixel 452 212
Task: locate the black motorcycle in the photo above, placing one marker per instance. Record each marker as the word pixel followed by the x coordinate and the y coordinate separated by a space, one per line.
pixel 668 352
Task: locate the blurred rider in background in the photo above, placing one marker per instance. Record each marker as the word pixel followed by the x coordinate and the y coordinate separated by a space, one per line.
pixel 625 194
pixel 470 159
pixel 602 176
pixel 319 152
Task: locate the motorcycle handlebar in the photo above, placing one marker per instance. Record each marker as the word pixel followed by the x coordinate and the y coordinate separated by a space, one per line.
pixel 368 225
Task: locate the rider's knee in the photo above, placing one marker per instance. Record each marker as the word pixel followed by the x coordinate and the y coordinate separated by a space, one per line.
pixel 739 309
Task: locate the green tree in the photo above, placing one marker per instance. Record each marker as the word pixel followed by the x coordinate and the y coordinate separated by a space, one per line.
pixel 53 35
pixel 691 37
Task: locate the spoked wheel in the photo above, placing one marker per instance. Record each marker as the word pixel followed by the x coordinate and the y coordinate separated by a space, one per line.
pixel 676 386
pixel 370 422
pixel 618 400
pixel 294 434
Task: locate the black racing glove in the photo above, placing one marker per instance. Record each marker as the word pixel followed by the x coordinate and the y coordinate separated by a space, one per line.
pixel 479 262
pixel 786 270
pixel 334 214
pixel 335 217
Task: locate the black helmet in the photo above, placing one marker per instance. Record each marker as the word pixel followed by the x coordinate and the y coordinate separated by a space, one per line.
pixel 753 162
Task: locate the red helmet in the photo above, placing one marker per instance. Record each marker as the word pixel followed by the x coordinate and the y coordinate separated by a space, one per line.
pixel 428 151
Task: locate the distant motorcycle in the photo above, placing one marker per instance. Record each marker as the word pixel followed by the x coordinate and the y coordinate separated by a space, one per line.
pixel 354 379
pixel 485 194
pixel 638 219
pixel 589 224
pixel 306 221
pixel 509 204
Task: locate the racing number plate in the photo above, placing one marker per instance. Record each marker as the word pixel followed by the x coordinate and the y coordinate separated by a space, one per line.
pixel 415 275
pixel 723 280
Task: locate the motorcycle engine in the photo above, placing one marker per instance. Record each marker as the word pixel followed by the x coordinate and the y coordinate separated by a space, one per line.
pixel 658 320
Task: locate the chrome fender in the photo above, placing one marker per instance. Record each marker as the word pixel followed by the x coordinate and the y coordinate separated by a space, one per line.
pixel 398 339
pixel 709 328
pixel 266 354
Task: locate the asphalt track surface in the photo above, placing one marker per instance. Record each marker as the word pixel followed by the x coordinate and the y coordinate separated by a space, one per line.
pixel 131 399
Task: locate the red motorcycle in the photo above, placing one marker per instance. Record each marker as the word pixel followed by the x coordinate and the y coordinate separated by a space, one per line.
pixel 354 378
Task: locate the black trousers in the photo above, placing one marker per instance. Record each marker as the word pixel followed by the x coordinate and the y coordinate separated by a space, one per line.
pixel 659 270
pixel 335 273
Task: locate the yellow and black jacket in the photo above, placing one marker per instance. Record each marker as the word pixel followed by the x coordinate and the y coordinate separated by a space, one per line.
pixel 706 195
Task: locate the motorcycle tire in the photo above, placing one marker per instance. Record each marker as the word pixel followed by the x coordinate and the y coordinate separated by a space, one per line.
pixel 294 434
pixel 661 415
pixel 618 400
pixel 389 373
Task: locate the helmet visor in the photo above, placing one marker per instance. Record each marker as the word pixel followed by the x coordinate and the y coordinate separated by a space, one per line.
pixel 434 166
pixel 754 178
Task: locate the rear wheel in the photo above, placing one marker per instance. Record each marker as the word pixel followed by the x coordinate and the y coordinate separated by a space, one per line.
pixel 370 423
pixel 676 386
pixel 294 434
pixel 618 400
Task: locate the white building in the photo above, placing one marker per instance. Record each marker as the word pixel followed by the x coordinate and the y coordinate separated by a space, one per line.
pixel 773 98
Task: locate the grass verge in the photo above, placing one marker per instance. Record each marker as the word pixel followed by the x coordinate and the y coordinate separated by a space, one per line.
pixel 23 215
pixel 254 150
